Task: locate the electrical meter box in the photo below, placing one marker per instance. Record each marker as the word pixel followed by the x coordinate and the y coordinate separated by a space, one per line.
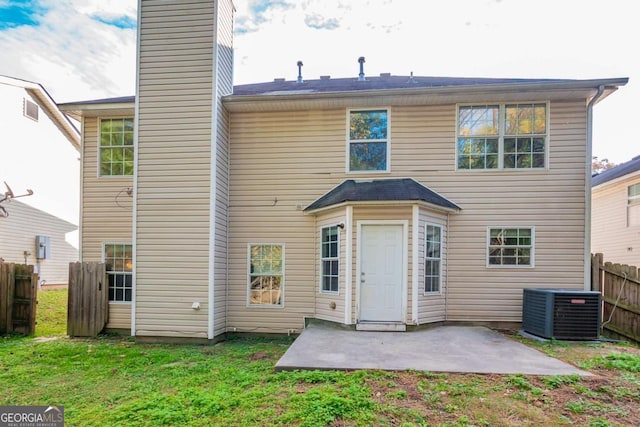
pixel 43 247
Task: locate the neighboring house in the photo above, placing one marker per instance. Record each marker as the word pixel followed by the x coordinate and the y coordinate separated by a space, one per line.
pixel 370 201
pixel 36 237
pixel 39 149
pixel 615 220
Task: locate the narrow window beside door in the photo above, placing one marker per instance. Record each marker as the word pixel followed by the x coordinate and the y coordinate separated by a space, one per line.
pixel 330 260
pixel 432 258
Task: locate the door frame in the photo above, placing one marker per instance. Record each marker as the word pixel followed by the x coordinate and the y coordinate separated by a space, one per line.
pixel 405 261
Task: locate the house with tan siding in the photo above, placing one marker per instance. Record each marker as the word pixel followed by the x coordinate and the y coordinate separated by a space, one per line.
pixel 375 202
pixel 616 213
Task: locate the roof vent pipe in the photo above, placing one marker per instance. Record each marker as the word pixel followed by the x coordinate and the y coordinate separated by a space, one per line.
pixel 300 71
pixel 361 75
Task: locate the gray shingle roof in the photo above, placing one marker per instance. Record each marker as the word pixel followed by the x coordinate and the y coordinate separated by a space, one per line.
pixel 405 189
pixel 281 86
pixel 622 169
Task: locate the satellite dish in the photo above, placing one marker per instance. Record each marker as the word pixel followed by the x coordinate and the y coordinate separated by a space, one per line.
pixel 9 192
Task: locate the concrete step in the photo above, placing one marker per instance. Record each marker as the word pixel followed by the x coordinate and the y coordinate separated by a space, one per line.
pixel 381 326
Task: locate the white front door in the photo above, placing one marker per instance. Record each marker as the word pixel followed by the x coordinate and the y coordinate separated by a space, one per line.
pixel 381 269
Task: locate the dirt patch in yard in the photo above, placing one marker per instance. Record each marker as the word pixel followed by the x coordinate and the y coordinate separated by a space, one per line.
pixel 608 398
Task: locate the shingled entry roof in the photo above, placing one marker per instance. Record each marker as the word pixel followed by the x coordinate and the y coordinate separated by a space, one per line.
pixel 381 190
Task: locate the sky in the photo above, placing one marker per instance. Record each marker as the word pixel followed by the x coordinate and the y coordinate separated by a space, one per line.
pixel 86 49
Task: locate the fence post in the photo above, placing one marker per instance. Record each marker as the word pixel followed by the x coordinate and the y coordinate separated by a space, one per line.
pixel 5 302
pixel 596 262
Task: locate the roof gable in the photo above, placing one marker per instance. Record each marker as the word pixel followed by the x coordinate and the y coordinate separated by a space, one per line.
pixel 50 107
pixel 383 190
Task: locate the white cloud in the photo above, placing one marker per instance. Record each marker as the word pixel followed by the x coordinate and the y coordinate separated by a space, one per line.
pixel 105 7
pixel 71 54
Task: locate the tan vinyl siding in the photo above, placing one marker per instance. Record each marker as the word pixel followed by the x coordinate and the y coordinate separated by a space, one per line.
pixel 280 163
pixel 423 141
pixel 175 96
pixel 323 300
pixel 294 157
pixel 431 306
pixel 106 207
pixel 610 234
pixel 18 234
pixel 224 75
pixel 119 316
pixel 106 211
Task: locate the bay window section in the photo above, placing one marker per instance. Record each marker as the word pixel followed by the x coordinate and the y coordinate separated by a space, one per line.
pixel 432 258
pixel 329 260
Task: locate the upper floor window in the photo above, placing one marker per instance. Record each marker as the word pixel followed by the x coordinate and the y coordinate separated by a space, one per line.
pixel 502 136
pixel 266 275
pixel 368 144
pixel 510 247
pixel 329 259
pixel 118 259
pixel 116 147
pixel 633 208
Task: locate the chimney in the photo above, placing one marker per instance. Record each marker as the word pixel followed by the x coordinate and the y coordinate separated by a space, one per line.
pixel 361 75
pixel 300 71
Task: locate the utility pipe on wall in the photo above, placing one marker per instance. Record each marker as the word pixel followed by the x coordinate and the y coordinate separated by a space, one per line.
pixel 587 190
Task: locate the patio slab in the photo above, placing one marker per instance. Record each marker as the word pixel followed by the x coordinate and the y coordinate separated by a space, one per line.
pixel 472 349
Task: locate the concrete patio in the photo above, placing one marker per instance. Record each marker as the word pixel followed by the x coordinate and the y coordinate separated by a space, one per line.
pixel 472 349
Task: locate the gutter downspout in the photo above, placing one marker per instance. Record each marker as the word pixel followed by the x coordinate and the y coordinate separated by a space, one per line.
pixel 587 190
pixel 136 168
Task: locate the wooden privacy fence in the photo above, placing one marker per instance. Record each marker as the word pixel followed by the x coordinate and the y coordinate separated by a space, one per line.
pixel 18 291
pixel 88 309
pixel 620 288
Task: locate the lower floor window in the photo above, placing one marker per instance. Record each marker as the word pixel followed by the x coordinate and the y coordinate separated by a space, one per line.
pixel 510 247
pixel 432 258
pixel 329 259
pixel 266 274
pixel 118 262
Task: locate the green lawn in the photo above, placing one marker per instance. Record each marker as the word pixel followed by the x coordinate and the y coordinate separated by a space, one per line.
pixel 51 313
pixel 116 382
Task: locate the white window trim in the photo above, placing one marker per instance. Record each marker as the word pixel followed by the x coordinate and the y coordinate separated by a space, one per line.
pixel 441 259
pixel 99 147
pixel 336 258
pixel 102 257
pixel 632 202
pixel 500 136
pixel 248 283
pixel 511 266
pixel 348 138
